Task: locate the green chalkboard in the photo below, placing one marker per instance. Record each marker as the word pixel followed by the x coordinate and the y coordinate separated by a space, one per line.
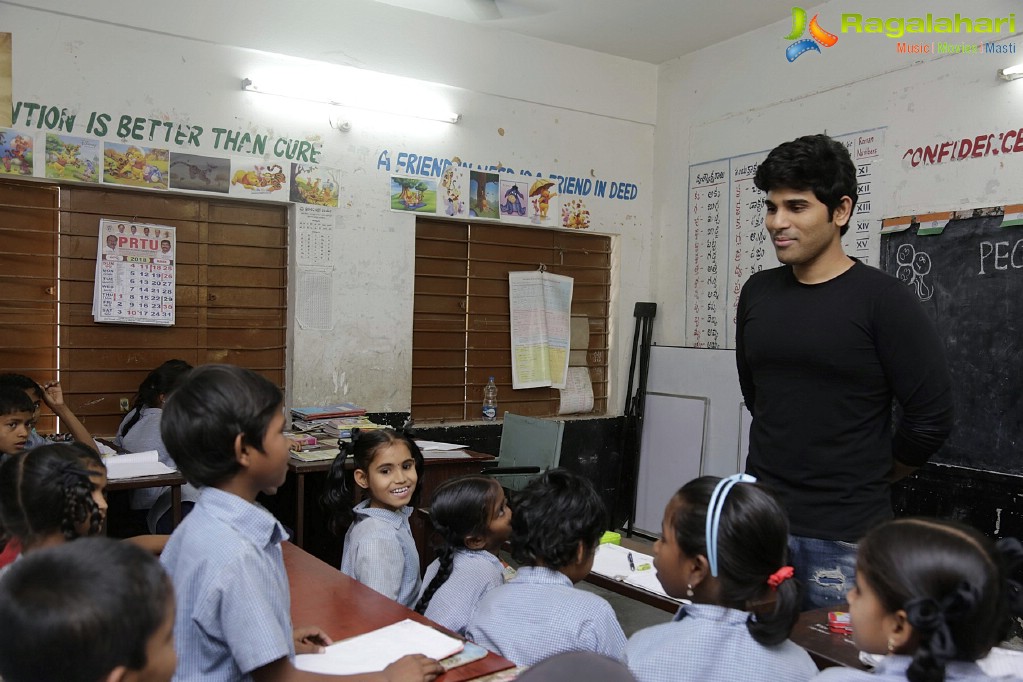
pixel 969 278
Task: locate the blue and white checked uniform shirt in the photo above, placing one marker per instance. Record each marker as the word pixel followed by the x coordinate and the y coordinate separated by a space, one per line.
pixel 704 643
pixel 893 668
pixel 539 614
pixel 234 603
pixel 474 573
pixel 380 553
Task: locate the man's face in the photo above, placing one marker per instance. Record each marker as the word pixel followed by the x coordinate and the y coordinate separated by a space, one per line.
pixel 799 226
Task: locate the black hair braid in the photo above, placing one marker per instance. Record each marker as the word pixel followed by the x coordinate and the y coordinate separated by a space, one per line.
pixel 78 504
pixel 446 557
pixel 336 498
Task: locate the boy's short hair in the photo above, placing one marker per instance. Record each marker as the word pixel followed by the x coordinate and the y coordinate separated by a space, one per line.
pixel 14 399
pixel 76 611
pixel 22 382
pixel 813 162
pixel 204 415
pixel 552 515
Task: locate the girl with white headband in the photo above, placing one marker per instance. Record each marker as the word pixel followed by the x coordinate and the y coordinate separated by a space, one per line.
pixel 725 548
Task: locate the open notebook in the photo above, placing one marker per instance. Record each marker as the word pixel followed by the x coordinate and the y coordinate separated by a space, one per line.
pixel 612 561
pixel 135 464
pixel 374 651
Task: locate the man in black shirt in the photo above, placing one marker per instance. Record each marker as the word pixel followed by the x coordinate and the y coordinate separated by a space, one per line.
pixel 823 345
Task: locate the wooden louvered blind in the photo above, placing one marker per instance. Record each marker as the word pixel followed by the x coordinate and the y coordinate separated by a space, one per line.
pixel 231 295
pixel 460 331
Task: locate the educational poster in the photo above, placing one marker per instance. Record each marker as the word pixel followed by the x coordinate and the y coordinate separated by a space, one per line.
pixel 514 199
pixel 541 316
pixel 575 215
pixel 318 185
pixel 413 194
pixel 134 273
pixel 728 243
pixel 135 166
pixel 483 189
pixel 202 173
pixel 254 178
pixel 454 193
pixel 543 205
pixel 16 157
pixel 72 158
pixel 314 236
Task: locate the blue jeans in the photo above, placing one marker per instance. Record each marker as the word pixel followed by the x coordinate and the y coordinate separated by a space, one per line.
pixel 826 568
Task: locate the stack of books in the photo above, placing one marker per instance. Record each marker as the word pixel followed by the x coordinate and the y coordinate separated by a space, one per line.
pixel 341 427
pixel 320 412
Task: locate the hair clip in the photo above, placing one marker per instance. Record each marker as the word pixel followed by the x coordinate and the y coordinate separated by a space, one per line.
pixel 717 503
pixel 780 576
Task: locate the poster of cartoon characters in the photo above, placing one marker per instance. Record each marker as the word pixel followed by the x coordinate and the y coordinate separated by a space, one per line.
pixel 318 185
pixel 543 203
pixel 413 194
pixel 514 199
pixel 454 192
pixel 72 158
pixel 135 166
pixel 483 188
pixel 203 173
pixel 575 215
pixel 16 156
pixel 251 177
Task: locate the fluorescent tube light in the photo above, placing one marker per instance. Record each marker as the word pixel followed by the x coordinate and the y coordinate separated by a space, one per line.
pixel 1011 73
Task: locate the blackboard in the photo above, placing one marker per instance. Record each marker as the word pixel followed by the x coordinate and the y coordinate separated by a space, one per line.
pixel 969 278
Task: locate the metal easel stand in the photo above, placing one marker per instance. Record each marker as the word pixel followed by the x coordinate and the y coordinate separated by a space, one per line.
pixel 634 406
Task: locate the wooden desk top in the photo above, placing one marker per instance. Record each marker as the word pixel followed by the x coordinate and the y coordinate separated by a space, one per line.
pixel 826 648
pixel 322 595
pixel 300 467
pixel 174 478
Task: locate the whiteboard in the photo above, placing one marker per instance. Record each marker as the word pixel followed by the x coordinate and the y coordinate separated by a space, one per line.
pixel 674 430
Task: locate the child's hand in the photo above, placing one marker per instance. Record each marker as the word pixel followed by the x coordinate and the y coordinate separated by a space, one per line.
pixel 294 445
pixel 414 668
pixel 310 640
pixel 53 396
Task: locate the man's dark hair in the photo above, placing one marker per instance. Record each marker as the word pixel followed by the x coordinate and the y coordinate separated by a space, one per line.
pixel 553 514
pixel 207 411
pixel 76 611
pixel 813 163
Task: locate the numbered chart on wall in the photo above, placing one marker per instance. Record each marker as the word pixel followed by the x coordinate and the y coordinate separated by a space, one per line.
pixel 134 273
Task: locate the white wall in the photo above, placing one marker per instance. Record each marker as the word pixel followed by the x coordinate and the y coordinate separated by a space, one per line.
pixel 560 110
pixel 743 96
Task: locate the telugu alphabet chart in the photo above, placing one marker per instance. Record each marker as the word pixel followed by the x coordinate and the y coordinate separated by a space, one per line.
pixel 728 242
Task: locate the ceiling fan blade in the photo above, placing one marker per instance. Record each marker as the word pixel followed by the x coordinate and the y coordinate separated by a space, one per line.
pixel 485 10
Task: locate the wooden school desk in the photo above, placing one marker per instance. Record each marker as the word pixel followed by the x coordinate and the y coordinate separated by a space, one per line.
pixel 826 648
pixel 434 472
pixel 173 480
pixel 323 596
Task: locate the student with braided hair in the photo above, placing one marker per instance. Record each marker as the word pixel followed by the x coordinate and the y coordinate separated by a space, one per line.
pixel 933 595
pixel 473 520
pixel 50 495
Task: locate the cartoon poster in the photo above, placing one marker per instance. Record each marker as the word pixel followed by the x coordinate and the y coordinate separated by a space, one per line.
pixel 72 158
pixel 514 199
pixel 483 188
pixel 256 178
pixel 543 203
pixel 134 273
pixel 135 166
pixel 16 155
pixel 202 173
pixel 454 192
pixel 413 194
pixel 575 215
pixel 318 185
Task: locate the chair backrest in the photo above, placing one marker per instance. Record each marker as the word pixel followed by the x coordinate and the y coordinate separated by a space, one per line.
pixel 527 442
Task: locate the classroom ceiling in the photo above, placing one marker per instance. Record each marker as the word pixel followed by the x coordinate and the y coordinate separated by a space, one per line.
pixel 653 31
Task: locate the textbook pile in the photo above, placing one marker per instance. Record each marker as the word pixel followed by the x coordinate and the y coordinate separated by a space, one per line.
pixel 336 421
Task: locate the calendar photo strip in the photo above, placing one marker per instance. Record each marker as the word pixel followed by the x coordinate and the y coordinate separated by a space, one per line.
pixel 134 273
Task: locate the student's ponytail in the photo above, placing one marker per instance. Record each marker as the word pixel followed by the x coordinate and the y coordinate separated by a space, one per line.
pixel 161 381
pixel 337 495
pixel 446 558
pixel 773 626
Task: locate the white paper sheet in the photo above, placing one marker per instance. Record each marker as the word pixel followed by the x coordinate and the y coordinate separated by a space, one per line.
pixel 612 561
pixel 577 396
pixel 374 651
pixel 135 464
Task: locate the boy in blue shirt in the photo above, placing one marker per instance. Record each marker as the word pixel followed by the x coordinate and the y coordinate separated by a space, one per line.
pixel 224 426
pixel 557 524
pixel 52 396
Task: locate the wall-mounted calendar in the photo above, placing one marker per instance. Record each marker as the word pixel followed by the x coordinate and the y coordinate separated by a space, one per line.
pixel 134 273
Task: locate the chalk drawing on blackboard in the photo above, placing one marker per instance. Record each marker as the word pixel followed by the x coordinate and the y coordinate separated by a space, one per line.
pixel 913 265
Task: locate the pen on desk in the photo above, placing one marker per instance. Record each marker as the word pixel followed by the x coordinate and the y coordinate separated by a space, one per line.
pixel 632 564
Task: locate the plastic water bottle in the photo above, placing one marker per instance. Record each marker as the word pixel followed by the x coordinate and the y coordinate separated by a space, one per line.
pixel 490 401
